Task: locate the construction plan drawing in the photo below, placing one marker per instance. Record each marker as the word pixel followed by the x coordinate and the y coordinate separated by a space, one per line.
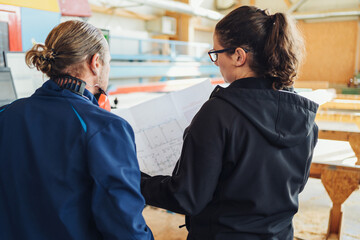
pixel 159 124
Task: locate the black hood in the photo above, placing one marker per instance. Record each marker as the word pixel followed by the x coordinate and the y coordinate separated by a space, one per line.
pixel 283 117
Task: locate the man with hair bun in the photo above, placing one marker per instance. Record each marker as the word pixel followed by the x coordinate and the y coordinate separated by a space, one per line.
pixel 246 155
pixel 68 168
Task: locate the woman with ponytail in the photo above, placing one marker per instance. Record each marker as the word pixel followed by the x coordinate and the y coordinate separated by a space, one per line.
pixel 247 153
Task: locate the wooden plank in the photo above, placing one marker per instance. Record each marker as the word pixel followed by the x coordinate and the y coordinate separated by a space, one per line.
pixel 120 12
pixel 347 96
pixel 352 137
pixel 312 84
pixel 184 26
pixel 317 168
pixel 336 135
pixel 185 30
pixel 344 104
pixel 338 117
pixel 288 3
pixel 204 28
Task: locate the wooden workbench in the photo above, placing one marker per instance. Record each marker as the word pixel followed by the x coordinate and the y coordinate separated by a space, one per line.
pixel 339 180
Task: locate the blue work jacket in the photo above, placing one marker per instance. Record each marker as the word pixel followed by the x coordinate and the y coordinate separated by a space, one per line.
pixel 68 170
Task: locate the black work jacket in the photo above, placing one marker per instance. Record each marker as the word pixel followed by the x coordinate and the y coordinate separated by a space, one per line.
pixel 246 156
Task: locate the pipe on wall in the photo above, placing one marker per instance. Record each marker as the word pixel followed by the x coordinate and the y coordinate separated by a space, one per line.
pixel 295 6
pixel 327 15
pixel 214 15
pixel 182 8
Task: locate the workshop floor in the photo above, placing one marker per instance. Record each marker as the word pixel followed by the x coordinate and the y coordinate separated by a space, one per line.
pixel 165 225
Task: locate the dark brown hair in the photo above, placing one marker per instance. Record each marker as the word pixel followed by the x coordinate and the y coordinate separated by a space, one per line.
pixel 66 47
pixel 275 44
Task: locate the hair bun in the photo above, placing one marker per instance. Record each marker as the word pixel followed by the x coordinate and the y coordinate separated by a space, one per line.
pixel 41 58
pixel 48 54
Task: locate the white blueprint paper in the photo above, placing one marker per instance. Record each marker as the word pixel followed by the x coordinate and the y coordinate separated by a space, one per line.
pixel 188 101
pixel 159 125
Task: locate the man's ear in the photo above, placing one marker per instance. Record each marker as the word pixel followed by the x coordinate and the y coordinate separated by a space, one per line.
pixel 239 57
pixel 95 64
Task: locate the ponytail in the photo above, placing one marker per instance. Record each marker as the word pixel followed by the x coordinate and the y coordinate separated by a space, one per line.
pixel 40 57
pixel 283 50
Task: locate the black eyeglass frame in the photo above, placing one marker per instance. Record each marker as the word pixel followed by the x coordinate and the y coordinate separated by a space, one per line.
pixel 221 51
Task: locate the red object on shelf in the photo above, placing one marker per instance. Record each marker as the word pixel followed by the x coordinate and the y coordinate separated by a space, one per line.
pixel 75 8
pixel 144 88
pixel 155 87
pixel 14 22
pixel 216 81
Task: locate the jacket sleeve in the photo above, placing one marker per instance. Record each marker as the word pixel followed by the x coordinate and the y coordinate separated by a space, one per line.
pixel 195 177
pixel 309 160
pixel 117 203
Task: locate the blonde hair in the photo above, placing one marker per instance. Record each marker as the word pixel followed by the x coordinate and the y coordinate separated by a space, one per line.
pixel 66 47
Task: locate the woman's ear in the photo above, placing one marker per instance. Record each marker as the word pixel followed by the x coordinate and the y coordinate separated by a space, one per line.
pixel 239 57
pixel 95 64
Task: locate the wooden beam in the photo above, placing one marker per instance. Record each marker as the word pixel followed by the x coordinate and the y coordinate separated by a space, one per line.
pixel 184 27
pixel 337 135
pixel 120 12
pixel 296 5
pixel 317 168
pixel 204 28
pixel 288 3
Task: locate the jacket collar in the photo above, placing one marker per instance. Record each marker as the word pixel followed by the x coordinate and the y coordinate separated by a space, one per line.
pixel 51 88
pixel 252 83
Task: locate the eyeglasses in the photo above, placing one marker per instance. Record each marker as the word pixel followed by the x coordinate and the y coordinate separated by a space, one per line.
pixel 213 54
